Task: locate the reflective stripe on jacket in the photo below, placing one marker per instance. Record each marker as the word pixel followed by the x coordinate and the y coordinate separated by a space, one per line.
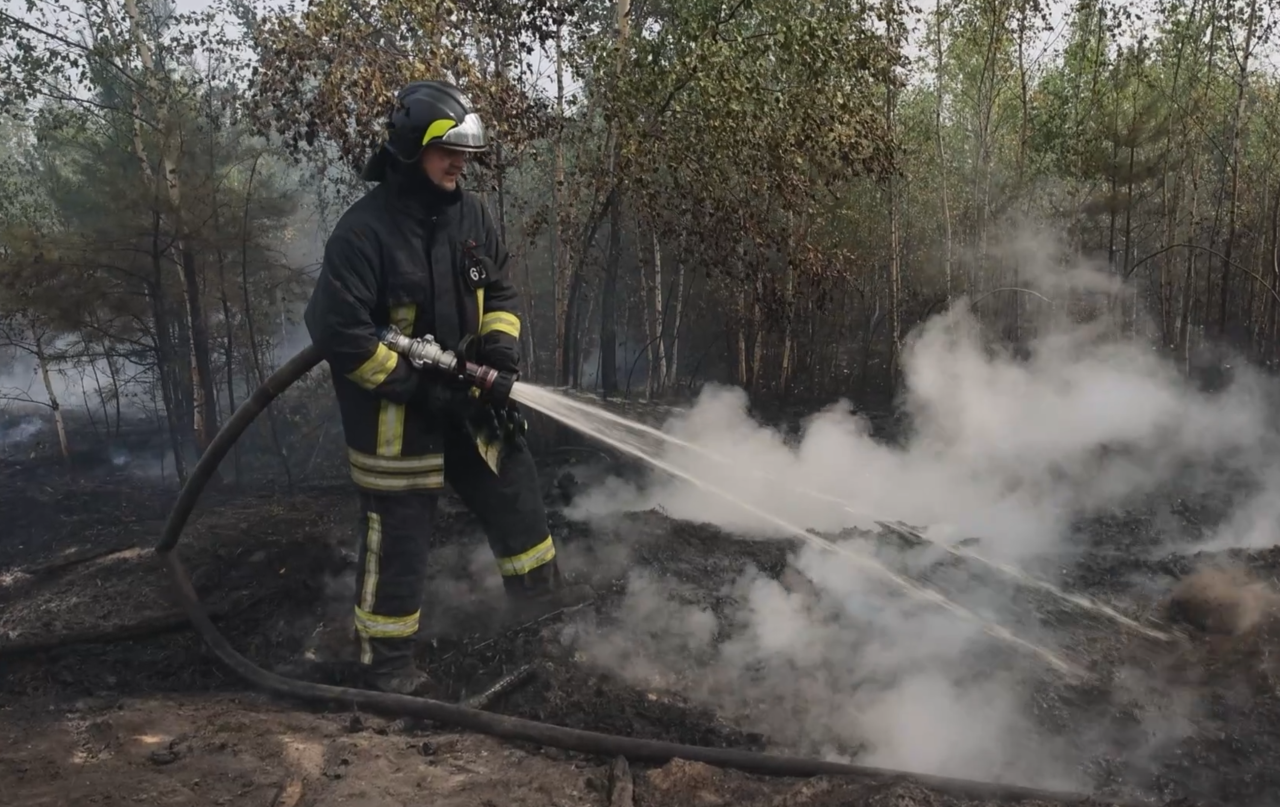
pixel 395 259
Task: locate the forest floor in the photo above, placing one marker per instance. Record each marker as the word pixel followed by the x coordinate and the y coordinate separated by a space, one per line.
pixel 154 718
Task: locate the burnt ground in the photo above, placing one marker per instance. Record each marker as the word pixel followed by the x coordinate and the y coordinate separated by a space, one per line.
pixel 155 719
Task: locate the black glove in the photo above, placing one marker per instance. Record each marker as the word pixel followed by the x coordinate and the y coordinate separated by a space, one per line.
pixel 511 422
pixel 501 351
pixel 441 397
pixel 507 421
pixel 499 392
pixel 499 411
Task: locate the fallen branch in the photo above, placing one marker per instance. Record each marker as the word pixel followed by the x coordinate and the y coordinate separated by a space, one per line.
pixel 142 629
pixel 502 687
pixel 545 617
pixel 136 630
pixel 75 559
pixel 405 725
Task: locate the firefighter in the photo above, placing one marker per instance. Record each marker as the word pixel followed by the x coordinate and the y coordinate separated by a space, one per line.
pixel 419 252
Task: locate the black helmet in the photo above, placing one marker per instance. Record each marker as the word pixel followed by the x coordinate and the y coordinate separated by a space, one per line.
pixel 427 112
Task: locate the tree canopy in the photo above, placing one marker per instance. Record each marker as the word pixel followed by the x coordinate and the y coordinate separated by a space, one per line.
pixel 771 193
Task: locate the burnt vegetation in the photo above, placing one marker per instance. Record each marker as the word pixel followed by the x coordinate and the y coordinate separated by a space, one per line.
pixel 772 194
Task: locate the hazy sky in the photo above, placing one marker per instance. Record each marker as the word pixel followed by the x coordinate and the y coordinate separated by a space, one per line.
pixel 1046 43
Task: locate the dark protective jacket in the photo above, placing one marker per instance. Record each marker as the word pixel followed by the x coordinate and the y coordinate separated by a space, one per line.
pixel 400 255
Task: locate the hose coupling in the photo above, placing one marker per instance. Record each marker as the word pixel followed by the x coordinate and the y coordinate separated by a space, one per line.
pixel 422 352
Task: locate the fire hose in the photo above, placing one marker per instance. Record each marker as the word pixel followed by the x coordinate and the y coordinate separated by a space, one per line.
pixel 423 352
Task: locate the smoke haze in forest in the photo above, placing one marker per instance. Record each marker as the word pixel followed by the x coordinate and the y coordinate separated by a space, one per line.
pixel 1010 449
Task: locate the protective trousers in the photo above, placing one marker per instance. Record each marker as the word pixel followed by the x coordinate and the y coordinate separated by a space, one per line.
pixel 396 534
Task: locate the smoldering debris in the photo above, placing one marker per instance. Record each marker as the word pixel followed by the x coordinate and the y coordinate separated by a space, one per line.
pixel 1224 599
pixel 707 628
pixel 831 670
pixel 1011 450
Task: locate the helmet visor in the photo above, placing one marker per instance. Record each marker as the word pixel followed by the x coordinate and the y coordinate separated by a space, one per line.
pixel 467 136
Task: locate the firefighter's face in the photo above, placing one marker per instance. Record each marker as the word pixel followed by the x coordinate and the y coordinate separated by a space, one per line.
pixel 444 165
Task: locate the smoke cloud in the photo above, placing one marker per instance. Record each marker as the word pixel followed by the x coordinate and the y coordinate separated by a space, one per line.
pixel 19 432
pixel 73 382
pixel 1011 449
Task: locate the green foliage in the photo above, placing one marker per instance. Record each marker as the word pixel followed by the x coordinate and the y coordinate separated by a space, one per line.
pixel 764 164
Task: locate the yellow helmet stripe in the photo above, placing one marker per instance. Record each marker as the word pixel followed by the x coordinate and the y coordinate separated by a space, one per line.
pixel 438 129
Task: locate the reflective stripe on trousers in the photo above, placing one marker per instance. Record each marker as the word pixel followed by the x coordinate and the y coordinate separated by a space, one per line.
pixel 395 474
pixel 526 562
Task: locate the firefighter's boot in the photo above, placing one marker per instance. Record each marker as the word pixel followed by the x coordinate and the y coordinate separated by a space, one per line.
pixel 393 670
pixel 406 680
pixel 541 591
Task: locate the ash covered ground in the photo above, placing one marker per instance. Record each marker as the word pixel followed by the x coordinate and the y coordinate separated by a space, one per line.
pixel 663 653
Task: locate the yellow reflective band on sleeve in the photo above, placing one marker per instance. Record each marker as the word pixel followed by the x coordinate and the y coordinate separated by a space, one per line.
pixel 373 626
pixel 438 129
pixel 500 321
pixel 374 371
pixel 526 562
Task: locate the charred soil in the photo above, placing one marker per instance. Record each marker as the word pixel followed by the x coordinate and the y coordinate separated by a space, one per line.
pixel 151 716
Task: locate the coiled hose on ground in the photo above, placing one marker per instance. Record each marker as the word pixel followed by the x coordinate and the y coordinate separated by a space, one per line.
pixel 508 728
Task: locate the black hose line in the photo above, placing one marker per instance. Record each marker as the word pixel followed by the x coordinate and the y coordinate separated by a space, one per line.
pixel 246 413
pixel 502 726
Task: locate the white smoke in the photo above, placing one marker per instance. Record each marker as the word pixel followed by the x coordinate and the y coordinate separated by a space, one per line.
pixel 154 464
pixel 1011 449
pixel 1004 449
pixel 18 432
